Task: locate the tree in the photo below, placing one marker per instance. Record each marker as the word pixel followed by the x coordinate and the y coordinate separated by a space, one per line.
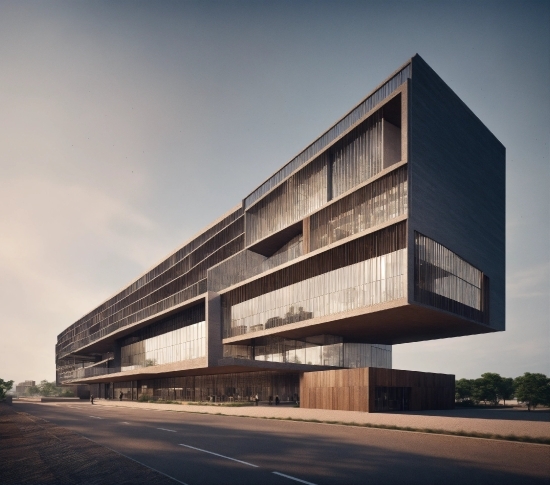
pixel 32 391
pixel 5 386
pixel 48 388
pixel 533 389
pixel 486 388
pixel 464 390
pixel 506 389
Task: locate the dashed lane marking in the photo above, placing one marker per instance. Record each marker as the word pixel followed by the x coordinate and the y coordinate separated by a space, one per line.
pixel 164 429
pixel 95 417
pixel 221 456
pixel 293 478
pixel 141 463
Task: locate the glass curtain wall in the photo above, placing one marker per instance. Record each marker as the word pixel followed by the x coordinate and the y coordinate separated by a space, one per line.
pixel 177 338
pixel 79 371
pixel 362 272
pixel 325 350
pixel 183 344
pixel 444 280
pixel 363 284
pixel 178 278
pixel 319 350
pixel 358 157
pixel 374 204
pixel 214 388
pixel 247 264
pixel 299 196
pixel 334 132
pixel 367 355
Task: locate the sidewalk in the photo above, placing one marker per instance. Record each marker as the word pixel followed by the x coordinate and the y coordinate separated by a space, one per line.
pixel 505 422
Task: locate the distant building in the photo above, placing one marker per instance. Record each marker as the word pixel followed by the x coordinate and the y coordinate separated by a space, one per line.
pixel 22 388
pixel 387 229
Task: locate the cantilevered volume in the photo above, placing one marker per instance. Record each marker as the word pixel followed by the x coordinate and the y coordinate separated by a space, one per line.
pixel 387 229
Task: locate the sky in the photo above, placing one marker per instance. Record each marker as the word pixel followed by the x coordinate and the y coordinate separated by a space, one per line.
pixel 128 126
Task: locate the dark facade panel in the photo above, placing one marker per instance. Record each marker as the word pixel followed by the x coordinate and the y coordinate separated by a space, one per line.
pixel 457 182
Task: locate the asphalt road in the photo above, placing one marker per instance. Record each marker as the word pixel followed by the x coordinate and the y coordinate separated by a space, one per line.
pixel 208 449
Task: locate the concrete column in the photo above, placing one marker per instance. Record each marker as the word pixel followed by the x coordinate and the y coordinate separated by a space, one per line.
pixel 213 311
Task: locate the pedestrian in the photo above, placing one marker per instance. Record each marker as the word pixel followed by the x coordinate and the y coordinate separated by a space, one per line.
pixel 270 400
pixel 92 398
pixel 277 400
pixel 257 399
pixel 120 396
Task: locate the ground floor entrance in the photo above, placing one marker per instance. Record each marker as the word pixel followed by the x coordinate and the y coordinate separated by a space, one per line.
pixel 387 398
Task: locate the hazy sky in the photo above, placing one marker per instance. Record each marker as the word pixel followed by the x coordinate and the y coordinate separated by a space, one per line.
pixel 126 127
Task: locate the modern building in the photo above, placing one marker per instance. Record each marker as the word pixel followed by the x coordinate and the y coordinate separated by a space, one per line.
pixel 22 388
pixel 389 228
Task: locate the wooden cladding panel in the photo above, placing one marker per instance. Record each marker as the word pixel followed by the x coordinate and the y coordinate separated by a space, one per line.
pixel 354 389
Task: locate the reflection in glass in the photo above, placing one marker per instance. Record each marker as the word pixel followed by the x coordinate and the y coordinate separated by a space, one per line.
pixel 373 204
pixel 363 284
pixel 325 350
pixel 181 344
pixel 213 388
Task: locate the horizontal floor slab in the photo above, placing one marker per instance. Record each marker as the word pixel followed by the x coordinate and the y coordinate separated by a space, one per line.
pixel 390 323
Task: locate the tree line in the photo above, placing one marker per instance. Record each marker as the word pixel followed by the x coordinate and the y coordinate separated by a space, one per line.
pixel 531 388
pixel 46 388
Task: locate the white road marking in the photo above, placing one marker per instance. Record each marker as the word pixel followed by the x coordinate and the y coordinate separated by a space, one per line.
pixel 126 456
pixel 124 422
pixel 293 478
pixel 95 417
pixel 221 456
pixel 164 429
